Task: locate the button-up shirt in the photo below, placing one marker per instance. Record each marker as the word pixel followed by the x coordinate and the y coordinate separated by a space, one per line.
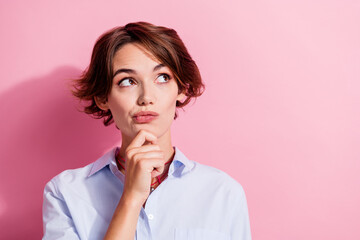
pixel 195 201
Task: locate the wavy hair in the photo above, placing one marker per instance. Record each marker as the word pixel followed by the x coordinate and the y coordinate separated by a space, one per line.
pixel 164 43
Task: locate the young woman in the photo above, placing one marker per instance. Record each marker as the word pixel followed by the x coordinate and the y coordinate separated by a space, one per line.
pixel 146 188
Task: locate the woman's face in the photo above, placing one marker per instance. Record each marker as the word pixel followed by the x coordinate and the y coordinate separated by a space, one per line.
pixel 141 83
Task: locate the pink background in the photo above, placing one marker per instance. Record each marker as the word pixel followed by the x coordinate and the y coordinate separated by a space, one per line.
pixel 280 112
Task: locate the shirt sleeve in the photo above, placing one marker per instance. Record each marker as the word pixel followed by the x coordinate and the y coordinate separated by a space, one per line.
pixel 240 226
pixel 57 221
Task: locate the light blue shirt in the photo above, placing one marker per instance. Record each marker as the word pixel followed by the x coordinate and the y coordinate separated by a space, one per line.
pixel 195 201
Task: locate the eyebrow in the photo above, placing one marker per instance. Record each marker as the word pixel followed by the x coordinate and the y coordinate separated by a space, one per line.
pixel 128 70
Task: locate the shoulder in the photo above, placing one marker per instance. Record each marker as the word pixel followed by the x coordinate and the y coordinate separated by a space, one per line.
pixel 72 175
pixel 208 178
pixel 212 176
pixel 69 177
pixel 78 176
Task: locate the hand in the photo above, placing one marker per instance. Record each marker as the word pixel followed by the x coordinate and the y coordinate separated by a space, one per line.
pixel 143 162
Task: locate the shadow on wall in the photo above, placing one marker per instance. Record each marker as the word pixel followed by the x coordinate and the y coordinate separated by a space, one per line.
pixel 42 134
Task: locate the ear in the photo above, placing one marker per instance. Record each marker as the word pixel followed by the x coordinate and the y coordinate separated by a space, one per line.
pixel 180 96
pixel 103 105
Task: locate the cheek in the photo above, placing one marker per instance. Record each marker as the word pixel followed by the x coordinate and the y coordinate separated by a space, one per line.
pixel 170 107
pixel 170 99
pixel 172 95
pixel 119 107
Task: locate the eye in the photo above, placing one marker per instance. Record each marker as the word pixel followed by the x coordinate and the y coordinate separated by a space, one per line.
pixel 126 82
pixel 162 78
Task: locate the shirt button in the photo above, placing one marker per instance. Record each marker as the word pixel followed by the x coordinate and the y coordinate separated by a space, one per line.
pixel 151 217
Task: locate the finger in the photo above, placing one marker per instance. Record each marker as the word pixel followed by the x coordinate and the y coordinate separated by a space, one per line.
pixel 148 155
pixel 143 149
pixel 155 166
pixel 149 148
pixel 141 138
pixel 158 169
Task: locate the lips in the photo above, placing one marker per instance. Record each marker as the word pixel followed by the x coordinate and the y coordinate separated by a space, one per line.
pixel 145 116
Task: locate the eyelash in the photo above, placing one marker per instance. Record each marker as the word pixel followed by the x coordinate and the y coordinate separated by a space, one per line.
pixel 124 80
pixel 167 76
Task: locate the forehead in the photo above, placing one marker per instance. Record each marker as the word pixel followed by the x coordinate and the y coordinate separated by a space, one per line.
pixel 134 56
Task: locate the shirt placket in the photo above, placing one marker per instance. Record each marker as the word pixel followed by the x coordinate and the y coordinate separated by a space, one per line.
pixel 150 211
pixel 143 231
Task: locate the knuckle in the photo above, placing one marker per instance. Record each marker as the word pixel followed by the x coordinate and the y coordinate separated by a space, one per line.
pixel 130 152
pixel 136 157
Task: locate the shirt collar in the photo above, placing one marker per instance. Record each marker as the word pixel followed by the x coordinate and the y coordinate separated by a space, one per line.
pixel 181 164
pixel 102 162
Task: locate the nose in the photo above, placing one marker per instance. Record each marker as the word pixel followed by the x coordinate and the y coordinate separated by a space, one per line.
pixel 146 96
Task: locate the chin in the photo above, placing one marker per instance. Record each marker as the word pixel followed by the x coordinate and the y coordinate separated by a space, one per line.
pixel 157 131
pixel 134 130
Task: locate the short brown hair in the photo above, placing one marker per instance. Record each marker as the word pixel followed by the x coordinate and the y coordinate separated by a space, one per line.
pixel 164 43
